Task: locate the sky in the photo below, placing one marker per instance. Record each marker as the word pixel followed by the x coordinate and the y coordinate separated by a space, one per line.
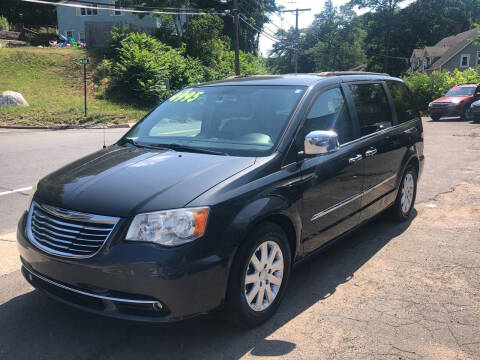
pixel 305 18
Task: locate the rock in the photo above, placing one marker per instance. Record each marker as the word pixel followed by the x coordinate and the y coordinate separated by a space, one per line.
pixel 12 98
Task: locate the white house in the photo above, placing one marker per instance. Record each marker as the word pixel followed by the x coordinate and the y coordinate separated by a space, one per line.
pixel 92 24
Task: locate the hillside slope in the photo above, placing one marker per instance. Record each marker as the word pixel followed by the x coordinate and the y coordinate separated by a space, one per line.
pixel 51 80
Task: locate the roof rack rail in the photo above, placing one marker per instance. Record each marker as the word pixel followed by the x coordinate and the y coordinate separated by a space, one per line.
pixel 340 73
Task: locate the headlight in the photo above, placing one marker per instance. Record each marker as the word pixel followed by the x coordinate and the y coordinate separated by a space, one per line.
pixel 169 227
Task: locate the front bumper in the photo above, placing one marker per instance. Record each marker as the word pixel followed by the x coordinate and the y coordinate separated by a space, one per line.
pixel 445 111
pixel 135 281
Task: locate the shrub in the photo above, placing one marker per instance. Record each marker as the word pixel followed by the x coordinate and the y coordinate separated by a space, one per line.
pixel 428 87
pixel 4 23
pixel 103 70
pixel 118 34
pixel 143 69
pixel 149 70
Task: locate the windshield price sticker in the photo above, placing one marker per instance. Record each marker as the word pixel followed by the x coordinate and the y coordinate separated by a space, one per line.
pixel 188 96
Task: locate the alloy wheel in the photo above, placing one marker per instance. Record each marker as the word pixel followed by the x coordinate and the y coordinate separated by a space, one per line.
pixel 263 277
pixel 408 190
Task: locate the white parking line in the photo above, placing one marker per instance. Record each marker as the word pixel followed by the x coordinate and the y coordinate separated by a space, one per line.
pixel 15 191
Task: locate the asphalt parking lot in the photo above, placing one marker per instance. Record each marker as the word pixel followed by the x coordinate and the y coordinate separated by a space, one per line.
pixel 388 291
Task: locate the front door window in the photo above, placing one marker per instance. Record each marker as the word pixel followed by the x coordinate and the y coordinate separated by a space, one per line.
pixel 372 107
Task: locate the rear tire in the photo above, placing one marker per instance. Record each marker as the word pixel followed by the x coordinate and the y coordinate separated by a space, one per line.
pixel 435 118
pixel 407 192
pixel 247 283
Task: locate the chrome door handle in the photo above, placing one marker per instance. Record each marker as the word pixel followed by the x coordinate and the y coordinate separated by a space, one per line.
pixel 411 130
pixel 353 160
pixel 371 152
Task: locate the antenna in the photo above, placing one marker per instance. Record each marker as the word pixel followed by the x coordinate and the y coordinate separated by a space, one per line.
pixel 104 146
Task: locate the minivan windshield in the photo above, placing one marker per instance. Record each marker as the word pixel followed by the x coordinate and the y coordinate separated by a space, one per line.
pixel 241 120
pixel 460 91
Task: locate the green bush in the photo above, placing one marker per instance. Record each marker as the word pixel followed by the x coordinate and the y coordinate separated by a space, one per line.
pixel 149 71
pixel 428 87
pixel 103 70
pixel 143 69
pixel 4 23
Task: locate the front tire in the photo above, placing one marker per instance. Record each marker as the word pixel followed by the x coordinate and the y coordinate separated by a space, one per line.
pixel 407 192
pixel 466 114
pixel 259 277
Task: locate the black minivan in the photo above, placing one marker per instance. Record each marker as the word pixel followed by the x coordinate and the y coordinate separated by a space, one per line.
pixel 209 201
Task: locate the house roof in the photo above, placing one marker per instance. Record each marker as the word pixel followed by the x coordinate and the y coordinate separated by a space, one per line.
pixel 436 51
pixel 417 53
pixel 446 48
pixel 454 44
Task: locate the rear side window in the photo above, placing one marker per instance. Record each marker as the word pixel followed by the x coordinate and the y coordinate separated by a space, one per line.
pixel 402 100
pixel 372 107
pixel 328 112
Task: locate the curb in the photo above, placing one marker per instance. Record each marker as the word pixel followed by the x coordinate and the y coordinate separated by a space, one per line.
pixel 65 127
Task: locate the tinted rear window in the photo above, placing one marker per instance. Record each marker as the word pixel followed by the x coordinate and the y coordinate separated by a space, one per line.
pixel 402 100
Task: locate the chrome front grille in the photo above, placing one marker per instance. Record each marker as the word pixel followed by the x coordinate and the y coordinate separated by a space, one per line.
pixel 68 233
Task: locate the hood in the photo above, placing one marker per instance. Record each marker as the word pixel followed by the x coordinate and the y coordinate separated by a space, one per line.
pixel 453 99
pixel 124 181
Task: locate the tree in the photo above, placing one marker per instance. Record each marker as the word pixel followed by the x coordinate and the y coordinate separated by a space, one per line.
pixel 339 39
pixel 203 35
pixel 18 12
pixel 386 10
pixel 334 41
pixel 255 12
pixel 281 56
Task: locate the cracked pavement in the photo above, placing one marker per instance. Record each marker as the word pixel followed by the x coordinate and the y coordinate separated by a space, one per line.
pixel 388 291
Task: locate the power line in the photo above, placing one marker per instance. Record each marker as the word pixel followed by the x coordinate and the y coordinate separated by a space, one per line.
pixel 246 15
pixel 259 30
pixel 135 7
pixel 127 10
pixel 289 45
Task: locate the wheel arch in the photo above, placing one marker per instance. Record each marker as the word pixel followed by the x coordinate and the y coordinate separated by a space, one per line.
pixel 411 158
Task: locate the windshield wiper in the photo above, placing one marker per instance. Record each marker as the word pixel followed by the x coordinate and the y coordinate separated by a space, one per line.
pixel 146 146
pixel 179 147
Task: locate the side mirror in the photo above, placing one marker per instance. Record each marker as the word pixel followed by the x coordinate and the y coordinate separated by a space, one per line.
pixel 321 142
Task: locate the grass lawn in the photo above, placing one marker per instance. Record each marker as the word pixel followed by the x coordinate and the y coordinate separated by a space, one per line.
pixel 51 80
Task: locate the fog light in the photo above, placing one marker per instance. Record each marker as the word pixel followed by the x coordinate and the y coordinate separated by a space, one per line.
pixel 157 306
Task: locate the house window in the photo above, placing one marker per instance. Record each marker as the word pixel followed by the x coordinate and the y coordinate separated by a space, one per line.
pixel 89 11
pixel 81 37
pixel 465 60
pixel 117 11
pixel 425 63
pixel 69 34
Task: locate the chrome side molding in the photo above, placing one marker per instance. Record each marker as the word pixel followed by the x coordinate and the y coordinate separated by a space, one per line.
pixel 350 199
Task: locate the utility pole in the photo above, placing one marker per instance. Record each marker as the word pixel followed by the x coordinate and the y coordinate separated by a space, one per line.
pixel 235 36
pixel 297 34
